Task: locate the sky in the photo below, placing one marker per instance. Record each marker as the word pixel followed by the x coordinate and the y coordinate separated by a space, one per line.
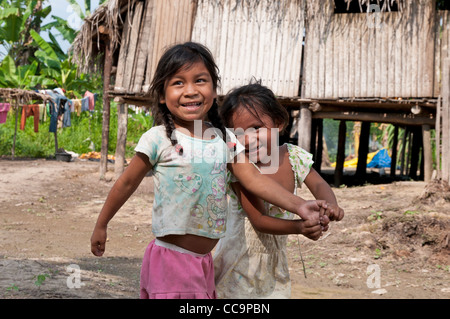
pixel 63 9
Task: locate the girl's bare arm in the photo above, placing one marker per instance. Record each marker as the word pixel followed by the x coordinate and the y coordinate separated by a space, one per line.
pixel 254 207
pixel 122 189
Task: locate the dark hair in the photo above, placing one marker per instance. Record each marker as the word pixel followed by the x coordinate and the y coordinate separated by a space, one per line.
pixel 257 99
pixel 175 58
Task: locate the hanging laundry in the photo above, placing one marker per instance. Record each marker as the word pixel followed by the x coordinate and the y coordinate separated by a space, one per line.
pixel 66 116
pixel 59 91
pixel 27 111
pixel 57 108
pixel 77 106
pixel 72 106
pixel 92 99
pixel 42 112
pixel 4 109
pixel 85 104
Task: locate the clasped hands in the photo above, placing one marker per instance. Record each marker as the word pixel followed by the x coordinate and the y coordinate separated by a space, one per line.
pixel 316 216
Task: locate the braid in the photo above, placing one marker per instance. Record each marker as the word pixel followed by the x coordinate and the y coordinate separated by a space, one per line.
pixel 216 120
pixel 167 120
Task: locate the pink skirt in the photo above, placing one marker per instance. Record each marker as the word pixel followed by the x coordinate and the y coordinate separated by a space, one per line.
pixel 171 272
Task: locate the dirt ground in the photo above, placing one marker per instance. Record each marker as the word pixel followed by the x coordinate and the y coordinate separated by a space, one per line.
pixel 389 245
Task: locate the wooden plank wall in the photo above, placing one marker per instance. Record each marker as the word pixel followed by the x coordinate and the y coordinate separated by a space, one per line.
pixel 253 39
pixel 356 55
pixel 149 27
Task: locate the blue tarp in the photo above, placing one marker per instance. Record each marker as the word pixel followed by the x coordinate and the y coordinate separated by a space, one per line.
pixel 381 159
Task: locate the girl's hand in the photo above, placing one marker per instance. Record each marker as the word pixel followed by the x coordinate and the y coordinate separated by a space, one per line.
pixel 312 209
pixel 310 229
pixel 98 240
pixel 334 212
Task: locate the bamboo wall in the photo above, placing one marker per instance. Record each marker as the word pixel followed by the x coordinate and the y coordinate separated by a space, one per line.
pixel 356 55
pixel 253 39
pixel 345 55
pixel 149 27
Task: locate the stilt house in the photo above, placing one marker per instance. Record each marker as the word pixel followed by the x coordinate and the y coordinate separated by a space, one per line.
pixel 366 61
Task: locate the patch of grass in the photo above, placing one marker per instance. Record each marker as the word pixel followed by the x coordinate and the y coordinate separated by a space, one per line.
pixel 84 134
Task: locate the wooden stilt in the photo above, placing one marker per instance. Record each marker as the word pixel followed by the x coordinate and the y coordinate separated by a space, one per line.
pixel 408 155
pixel 394 152
pixel 445 122
pixel 106 109
pixel 415 152
pixel 438 138
pixel 122 122
pixel 363 150
pixel 319 150
pixel 403 153
pixel 304 128
pixel 427 153
pixel 340 158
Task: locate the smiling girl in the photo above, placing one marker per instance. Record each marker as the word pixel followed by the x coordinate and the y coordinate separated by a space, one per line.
pixel 250 261
pixel 189 159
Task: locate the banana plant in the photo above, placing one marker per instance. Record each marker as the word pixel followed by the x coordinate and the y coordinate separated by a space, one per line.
pixel 21 77
pixel 59 73
pixel 17 18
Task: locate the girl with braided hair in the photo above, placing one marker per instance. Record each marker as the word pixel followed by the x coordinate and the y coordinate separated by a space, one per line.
pixel 189 156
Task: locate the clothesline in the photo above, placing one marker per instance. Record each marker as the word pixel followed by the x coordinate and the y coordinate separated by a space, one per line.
pixel 56 101
pixel 18 96
pixel 23 95
pixel 56 105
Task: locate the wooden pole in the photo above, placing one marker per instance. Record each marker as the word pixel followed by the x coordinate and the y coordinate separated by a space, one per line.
pixel 394 152
pixel 340 157
pixel 106 108
pixel 415 152
pixel 445 115
pixel 438 138
pixel 427 153
pixel 312 146
pixel 319 151
pixel 403 153
pixel 408 155
pixel 304 128
pixel 13 151
pixel 122 122
pixel 363 150
pixel 55 134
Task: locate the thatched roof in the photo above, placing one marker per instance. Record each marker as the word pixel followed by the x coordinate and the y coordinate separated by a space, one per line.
pixel 105 19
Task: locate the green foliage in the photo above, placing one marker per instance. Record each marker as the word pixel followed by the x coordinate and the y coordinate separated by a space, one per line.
pixel 84 133
pixel 23 76
pixel 40 279
pixel 17 18
pixel 48 67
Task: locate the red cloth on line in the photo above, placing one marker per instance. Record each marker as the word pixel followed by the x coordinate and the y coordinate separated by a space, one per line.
pixel 27 111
